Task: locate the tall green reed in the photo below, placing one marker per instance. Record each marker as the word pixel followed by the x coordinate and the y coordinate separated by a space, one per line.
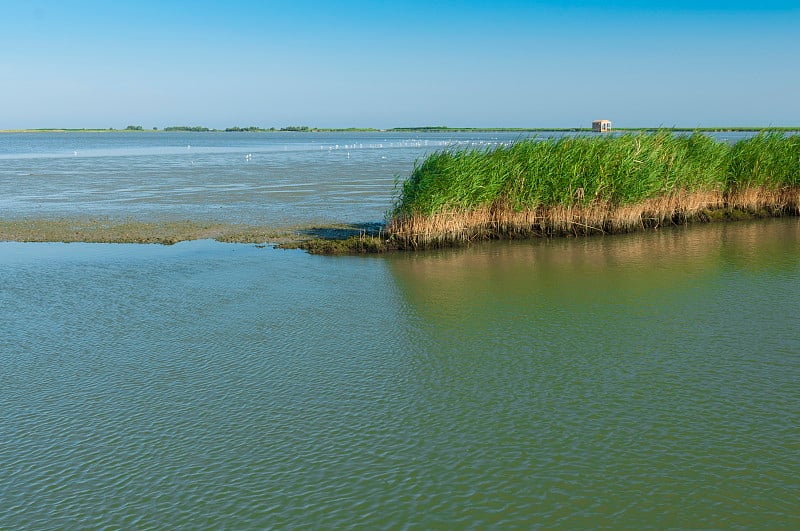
pixel 585 170
pixel 768 160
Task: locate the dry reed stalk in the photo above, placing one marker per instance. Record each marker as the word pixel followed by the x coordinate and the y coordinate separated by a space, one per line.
pixel 757 199
pixel 502 221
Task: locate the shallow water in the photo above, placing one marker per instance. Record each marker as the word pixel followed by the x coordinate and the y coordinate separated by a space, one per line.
pixel 645 380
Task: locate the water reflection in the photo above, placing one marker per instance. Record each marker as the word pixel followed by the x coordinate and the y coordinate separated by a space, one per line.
pixel 615 269
pixel 578 374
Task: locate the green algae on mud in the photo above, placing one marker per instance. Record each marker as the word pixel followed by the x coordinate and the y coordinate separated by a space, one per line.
pixel 329 239
pixel 91 230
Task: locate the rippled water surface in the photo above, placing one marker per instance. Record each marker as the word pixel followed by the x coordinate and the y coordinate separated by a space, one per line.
pixel 641 381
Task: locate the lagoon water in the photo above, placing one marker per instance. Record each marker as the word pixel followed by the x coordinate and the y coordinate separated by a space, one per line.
pixel 636 381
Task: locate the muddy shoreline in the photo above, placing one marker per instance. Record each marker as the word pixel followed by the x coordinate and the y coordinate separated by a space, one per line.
pixel 339 239
pixel 103 230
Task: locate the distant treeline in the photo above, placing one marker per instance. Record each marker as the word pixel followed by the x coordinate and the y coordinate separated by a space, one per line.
pixel 196 129
pixel 307 129
pixel 435 129
pixel 445 129
pixel 710 129
pixel 256 129
pixel 422 129
pixel 251 129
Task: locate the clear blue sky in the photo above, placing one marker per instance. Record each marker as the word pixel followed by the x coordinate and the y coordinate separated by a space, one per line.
pixel 382 64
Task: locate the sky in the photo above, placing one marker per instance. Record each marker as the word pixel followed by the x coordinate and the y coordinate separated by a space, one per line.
pixel 381 64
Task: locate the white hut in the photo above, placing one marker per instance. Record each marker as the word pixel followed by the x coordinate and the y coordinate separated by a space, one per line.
pixel 601 126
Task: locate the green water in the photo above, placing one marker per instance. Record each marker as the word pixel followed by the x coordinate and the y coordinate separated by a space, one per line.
pixel 641 381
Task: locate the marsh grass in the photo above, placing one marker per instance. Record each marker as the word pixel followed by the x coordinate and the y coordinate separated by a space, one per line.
pixel 592 184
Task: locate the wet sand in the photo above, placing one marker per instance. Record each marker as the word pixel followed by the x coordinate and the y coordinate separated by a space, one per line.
pixel 134 231
pixel 91 230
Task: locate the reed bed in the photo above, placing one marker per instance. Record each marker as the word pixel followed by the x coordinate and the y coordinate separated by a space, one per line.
pixel 593 184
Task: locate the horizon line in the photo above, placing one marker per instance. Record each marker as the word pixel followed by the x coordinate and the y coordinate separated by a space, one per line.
pixel 432 128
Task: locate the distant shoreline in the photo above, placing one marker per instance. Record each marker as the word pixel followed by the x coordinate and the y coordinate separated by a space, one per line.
pixel 423 129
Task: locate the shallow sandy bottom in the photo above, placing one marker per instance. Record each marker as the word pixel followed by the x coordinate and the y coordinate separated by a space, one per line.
pixel 91 230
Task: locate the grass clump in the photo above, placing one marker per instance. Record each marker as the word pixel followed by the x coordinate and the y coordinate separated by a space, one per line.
pixel 588 184
pixel 352 245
